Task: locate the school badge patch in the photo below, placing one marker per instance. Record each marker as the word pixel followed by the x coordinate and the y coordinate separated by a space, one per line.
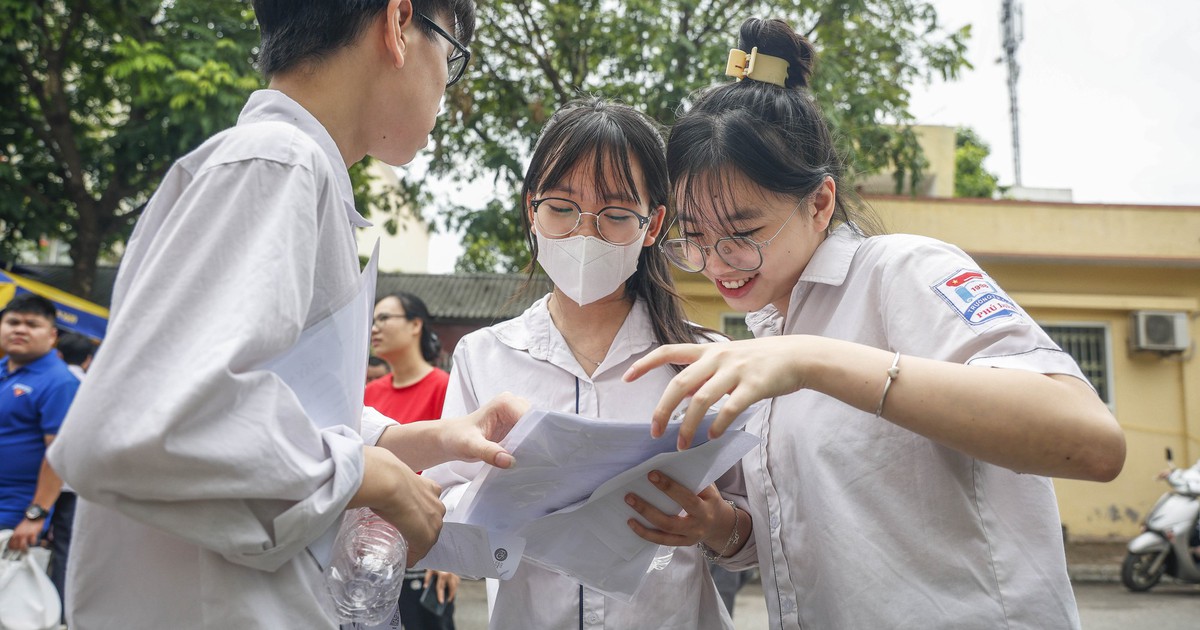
pixel 975 297
pixel 19 390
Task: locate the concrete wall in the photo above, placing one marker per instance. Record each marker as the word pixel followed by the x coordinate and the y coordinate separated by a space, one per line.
pixel 405 251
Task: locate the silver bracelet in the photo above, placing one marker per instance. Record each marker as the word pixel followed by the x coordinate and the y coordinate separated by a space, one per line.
pixel 892 373
pixel 733 538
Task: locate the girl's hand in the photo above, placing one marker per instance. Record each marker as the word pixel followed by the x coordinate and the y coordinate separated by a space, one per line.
pixel 749 371
pixel 706 516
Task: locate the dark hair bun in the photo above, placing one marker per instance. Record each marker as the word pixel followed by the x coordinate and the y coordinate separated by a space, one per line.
pixel 777 38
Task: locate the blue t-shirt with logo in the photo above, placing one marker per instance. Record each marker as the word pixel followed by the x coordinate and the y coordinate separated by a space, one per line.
pixel 33 402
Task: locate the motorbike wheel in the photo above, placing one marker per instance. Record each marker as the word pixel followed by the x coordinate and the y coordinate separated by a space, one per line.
pixel 1135 571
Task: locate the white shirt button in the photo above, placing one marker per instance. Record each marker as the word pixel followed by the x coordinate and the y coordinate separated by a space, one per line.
pixel 593 618
pixel 774 521
pixel 787 605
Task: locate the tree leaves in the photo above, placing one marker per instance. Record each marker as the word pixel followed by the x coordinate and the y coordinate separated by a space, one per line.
pixel 99 98
pixel 532 57
pixel 970 178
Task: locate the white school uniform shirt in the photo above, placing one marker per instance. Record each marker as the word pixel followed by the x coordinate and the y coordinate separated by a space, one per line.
pixel 859 523
pixel 203 476
pixel 527 356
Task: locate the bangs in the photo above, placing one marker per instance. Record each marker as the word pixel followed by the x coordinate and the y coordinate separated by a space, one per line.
pixel 720 199
pixel 725 169
pixel 602 144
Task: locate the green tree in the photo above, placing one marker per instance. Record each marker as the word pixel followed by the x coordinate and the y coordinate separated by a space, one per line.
pixel 532 56
pixel 99 99
pixel 970 178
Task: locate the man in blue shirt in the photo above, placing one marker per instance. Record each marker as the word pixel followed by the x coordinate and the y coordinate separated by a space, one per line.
pixel 36 389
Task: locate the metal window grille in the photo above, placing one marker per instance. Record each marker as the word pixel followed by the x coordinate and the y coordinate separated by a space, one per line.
pixel 1089 346
pixel 734 327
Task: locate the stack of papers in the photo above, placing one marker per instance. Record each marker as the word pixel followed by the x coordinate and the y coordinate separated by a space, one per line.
pixel 566 494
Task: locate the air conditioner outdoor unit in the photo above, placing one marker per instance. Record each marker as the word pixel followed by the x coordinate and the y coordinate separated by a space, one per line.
pixel 1160 331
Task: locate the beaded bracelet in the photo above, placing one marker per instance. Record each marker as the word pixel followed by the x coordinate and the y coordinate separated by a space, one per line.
pixel 892 373
pixel 734 538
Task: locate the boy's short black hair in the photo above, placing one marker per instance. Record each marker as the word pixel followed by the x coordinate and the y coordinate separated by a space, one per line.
pixel 31 304
pixel 295 32
pixel 75 348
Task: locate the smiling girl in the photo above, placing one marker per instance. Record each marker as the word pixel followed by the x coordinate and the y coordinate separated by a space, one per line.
pixel 917 410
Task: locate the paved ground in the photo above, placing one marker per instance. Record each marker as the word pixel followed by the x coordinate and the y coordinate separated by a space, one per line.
pixel 1095 570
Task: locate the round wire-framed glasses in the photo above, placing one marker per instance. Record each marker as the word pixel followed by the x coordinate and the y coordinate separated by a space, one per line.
pixel 557 217
pixel 739 252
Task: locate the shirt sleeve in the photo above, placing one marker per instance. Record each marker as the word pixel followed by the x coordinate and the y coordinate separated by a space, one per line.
pixel 461 400
pixel 372 425
pixel 54 403
pixel 178 425
pixel 926 285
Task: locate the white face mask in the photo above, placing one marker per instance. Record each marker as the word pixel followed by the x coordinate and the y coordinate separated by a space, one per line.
pixel 586 268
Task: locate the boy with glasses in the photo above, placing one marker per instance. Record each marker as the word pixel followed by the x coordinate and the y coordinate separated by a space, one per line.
pixel 207 479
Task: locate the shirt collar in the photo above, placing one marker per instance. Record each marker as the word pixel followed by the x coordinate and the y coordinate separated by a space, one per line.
pixel 273 105
pixel 40 364
pixel 534 332
pixel 830 264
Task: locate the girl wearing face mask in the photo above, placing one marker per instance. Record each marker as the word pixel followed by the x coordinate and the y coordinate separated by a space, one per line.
pixel 917 410
pixel 595 202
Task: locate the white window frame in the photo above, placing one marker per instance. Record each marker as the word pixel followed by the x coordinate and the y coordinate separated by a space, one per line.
pixel 1108 352
pixel 735 316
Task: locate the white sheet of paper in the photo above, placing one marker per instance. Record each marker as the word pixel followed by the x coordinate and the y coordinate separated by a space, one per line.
pixel 326 369
pixel 565 495
pixel 593 543
pixel 471 551
pixel 561 458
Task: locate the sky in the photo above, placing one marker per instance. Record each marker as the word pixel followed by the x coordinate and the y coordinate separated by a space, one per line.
pixel 1108 96
pixel 1108 100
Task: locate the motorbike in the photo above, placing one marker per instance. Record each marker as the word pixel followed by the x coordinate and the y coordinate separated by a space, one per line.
pixel 1169 534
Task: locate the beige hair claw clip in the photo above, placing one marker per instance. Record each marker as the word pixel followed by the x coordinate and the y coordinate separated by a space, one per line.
pixel 756 66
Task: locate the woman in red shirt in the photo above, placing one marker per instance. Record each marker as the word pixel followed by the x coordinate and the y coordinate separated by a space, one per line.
pixel 400 335
pixel 414 390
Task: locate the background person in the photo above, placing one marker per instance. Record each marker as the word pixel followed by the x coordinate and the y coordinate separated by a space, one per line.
pixel 36 390
pixel 376 367
pixel 412 390
pixel 915 406
pixel 77 350
pixel 595 200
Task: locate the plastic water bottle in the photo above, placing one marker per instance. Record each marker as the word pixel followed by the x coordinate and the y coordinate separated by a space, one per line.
pixel 367 570
pixel 662 558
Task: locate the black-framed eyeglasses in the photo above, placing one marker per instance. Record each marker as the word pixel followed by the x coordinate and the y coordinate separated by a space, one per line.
pixel 557 217
pixel 382 319
pixel 456 64
pixel 739 252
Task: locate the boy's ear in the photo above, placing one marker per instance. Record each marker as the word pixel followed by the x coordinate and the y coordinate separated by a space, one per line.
pixel 397 16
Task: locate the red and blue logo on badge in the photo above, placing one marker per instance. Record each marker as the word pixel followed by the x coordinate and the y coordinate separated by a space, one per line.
pixel 975 296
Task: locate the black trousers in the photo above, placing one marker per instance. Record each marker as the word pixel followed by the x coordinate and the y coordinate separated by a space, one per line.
pixel 61 523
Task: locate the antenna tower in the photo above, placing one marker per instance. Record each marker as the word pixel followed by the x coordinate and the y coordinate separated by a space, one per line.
pixel 1012 25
